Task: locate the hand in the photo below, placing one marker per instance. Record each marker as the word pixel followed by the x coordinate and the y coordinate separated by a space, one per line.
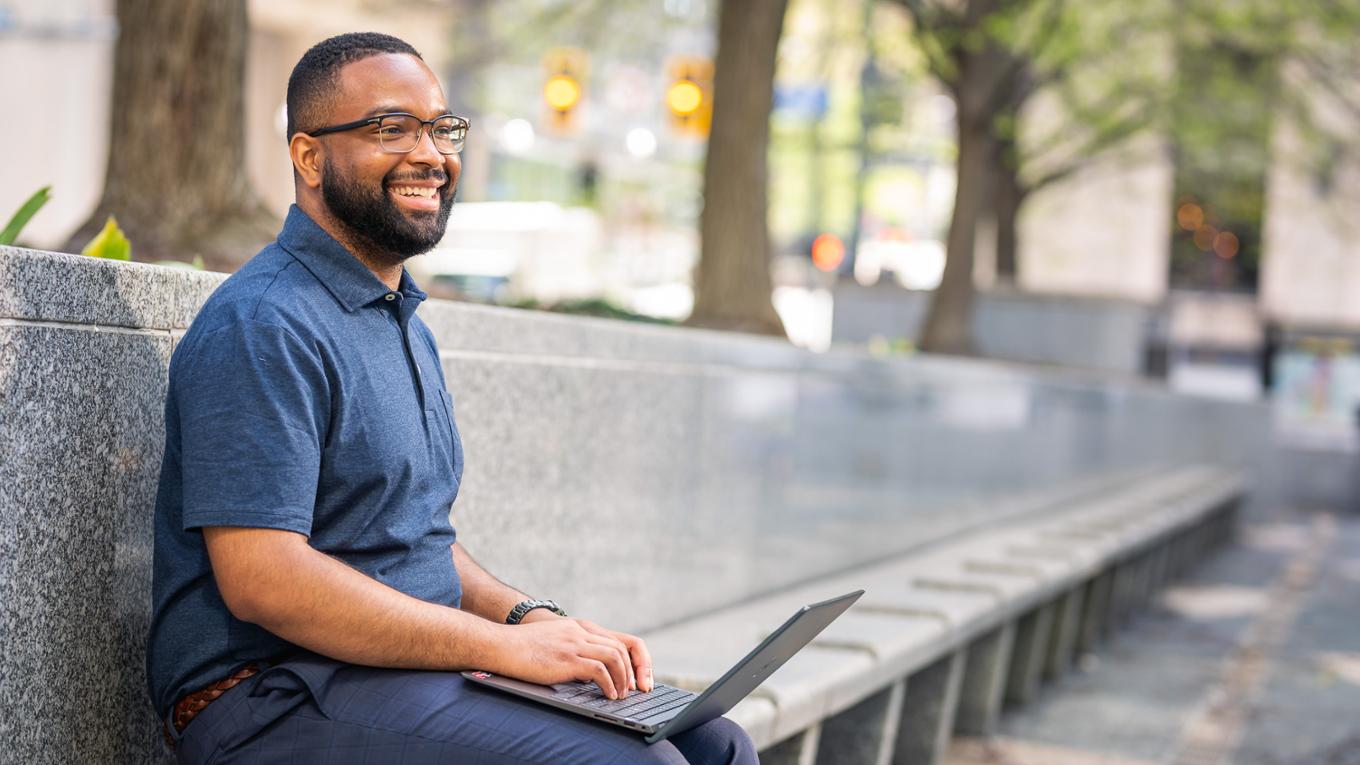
pixel 640 660
pixel 640 664
pixel 546 648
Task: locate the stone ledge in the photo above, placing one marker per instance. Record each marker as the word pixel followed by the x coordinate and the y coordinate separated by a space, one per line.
pixel 924 607
pixel 53 286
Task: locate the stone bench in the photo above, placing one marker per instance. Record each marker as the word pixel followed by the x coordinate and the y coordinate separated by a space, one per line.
pixel 685 470
pixel 945 636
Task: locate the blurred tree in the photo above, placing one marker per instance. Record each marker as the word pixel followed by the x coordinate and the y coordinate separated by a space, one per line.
pixel 1226 90
pixel 733 288
pixel 967 55
pixel 1103 78
pixel 994 57
pixel 176 176
pixel 1204 74
pixel 1246 69
pixel 732 281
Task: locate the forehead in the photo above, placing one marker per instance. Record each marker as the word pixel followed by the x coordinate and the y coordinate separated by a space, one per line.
pixel 389 82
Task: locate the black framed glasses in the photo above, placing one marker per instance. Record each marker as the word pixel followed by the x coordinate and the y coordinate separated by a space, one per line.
pixel 399 132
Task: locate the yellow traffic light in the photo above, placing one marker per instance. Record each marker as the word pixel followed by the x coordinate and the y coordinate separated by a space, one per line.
pixel 561 92
pixel 689 97
pixel 684 97
pixel 563 88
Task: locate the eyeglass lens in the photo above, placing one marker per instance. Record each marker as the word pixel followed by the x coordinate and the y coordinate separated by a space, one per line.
pixel 401 134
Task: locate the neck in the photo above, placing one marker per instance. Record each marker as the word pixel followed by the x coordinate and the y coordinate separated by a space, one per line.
pixel 385 266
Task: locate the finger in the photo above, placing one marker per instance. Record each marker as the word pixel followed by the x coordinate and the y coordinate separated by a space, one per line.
pixel 625 648
pixel 613 662
pixel 635 655
pixel 621 651
pixel 625 655
pixel 593 671
pixel 641 660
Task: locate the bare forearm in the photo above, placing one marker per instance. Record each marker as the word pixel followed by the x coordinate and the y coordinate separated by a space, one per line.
pixel 275 579
pixel 315 601
pixel 484 594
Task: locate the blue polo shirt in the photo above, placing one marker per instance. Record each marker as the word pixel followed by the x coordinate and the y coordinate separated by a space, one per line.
pixel 309 397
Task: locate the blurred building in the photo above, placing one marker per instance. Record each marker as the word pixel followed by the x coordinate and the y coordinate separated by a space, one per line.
pixel 1310 286
pixel 1312 233
pixel 1102 232
pixel 64 48
pixel 56 65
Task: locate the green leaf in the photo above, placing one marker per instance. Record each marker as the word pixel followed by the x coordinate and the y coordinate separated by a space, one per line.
pixel 27 210
pixel 110 243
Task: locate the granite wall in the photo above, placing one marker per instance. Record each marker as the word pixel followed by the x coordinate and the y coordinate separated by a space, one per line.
pixel 1107 334
pixel 637 474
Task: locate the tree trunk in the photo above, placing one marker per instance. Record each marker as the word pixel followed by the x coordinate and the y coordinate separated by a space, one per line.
pixel 1009 196
pixel 732 284
pixel 176 176
pixel 949 322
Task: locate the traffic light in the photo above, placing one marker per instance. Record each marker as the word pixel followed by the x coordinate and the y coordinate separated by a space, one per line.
pixel 689 96
pixel 828 252
pixel 563 88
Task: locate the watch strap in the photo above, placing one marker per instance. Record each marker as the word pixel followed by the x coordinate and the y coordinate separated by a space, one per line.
pixel 523 608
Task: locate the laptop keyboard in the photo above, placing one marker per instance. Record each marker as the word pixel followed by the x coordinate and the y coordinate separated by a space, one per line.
pixel 638 706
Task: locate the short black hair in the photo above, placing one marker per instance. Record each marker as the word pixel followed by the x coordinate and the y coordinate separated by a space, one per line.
pixel 313 83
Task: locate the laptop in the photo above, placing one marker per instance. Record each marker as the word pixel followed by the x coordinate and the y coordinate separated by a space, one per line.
pixel 665 711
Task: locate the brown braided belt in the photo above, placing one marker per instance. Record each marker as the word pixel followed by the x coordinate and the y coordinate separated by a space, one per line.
pixel 189 706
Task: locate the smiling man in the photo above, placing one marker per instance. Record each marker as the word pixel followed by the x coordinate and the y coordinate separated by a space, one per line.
pixel 311 601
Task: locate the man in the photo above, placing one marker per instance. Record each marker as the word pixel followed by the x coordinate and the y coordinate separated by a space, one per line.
pixel 311 602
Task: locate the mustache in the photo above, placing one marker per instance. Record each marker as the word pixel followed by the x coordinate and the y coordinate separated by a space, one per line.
pixel 433 175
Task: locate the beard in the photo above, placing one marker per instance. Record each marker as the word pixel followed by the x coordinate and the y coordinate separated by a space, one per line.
pixel 374 219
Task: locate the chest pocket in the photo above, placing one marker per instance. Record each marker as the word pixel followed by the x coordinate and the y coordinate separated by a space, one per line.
pixel 450 429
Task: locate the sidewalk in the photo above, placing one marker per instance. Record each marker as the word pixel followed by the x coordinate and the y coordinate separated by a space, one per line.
pixel 1252 660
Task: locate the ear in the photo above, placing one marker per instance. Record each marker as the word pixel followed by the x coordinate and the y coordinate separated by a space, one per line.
pixel 308 156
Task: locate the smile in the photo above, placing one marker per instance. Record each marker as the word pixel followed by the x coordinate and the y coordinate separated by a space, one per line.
pixel 415 191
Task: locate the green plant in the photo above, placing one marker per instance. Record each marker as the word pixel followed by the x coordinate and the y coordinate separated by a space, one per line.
pixel 27 210
pixel 110 243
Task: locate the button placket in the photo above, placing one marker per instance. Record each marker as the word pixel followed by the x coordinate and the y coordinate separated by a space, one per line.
pixel 400 314
pixel 414 366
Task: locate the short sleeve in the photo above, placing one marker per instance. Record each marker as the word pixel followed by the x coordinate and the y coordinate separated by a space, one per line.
pixel 253 404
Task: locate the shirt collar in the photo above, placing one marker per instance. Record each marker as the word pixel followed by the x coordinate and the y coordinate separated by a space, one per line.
pixel 342 274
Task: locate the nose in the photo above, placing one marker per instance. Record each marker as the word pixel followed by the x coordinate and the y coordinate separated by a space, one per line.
pixel 425 153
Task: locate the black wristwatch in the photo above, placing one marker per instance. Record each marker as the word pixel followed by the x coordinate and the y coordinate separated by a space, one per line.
pixel 523 608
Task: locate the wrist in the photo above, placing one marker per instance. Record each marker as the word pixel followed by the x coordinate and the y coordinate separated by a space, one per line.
pixel 503 650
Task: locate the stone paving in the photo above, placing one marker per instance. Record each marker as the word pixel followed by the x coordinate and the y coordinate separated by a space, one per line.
pixel 1254 659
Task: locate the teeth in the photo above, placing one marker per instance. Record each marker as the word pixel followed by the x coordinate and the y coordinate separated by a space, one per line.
pixel 414 191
